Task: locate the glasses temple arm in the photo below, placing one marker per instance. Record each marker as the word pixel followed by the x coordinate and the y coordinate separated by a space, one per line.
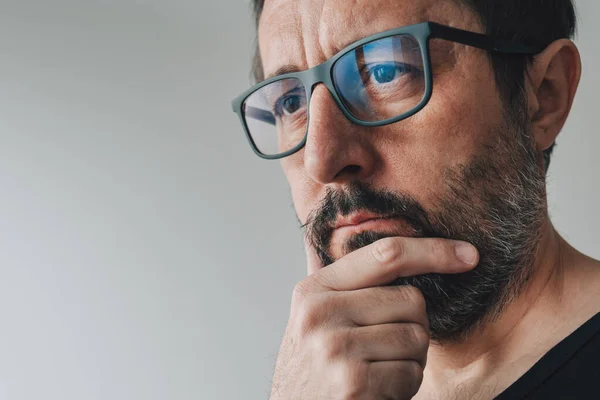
pixel 480 41
pixel 259 114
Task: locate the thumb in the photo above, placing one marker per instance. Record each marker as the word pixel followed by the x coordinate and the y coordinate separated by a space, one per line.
pixel 313 262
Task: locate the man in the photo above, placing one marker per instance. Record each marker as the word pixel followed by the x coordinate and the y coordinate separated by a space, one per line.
pixel 415 136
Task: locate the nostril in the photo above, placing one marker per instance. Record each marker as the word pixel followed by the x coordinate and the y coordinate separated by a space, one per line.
pixel 350 170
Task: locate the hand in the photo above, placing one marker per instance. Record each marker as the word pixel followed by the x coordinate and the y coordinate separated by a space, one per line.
pixel 350 338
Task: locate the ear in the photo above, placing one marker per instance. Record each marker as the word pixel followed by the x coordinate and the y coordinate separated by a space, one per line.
pixel 553 80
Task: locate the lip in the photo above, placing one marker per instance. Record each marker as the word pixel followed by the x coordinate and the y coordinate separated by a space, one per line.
pixel 357 219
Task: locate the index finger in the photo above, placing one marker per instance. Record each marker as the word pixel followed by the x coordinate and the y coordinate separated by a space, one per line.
pixel 388 259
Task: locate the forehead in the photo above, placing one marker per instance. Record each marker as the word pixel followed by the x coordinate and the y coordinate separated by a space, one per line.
pixel 304 33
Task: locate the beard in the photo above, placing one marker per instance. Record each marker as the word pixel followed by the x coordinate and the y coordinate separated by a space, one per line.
pixel 497 202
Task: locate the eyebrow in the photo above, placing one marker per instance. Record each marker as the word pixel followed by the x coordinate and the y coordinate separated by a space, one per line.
pixel 289 68
pixel 286 69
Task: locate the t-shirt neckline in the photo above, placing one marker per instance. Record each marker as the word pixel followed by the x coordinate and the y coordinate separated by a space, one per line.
pixel 552 361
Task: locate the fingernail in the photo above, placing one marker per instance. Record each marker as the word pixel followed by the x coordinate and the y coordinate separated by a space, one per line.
pixel 466 252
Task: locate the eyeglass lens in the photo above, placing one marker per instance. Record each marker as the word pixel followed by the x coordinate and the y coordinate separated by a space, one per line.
pixel 377 81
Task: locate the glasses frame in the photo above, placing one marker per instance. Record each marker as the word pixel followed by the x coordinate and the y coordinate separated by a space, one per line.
pixel 323 73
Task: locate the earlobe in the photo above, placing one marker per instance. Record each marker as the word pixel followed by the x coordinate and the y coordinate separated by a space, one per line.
pixel 554 78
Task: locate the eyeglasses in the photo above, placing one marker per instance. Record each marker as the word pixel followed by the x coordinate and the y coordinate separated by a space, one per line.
pixel 376 81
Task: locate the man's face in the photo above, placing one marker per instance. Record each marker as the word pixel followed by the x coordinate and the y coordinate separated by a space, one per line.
pixel 464 167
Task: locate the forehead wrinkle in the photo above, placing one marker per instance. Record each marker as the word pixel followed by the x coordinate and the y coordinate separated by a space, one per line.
pixel 304 33
pixel 339 27
pixel 279 30
pixel 310 30
pixel 329 29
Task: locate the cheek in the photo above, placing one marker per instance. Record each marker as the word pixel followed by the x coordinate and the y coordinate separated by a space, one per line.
pixel 304 191
pixel 455 125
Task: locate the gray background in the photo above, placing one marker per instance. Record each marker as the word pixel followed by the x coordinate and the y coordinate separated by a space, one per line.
pixel 145 252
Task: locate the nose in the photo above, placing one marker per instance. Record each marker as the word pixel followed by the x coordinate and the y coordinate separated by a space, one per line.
pixel 336 149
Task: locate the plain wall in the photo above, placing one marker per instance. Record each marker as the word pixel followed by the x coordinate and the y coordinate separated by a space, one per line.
pixel 145 251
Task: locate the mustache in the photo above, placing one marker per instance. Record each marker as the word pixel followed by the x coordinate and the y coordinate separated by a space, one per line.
pixel 359 196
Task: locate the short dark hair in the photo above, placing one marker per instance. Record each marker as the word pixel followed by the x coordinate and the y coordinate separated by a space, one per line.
pixel 536 23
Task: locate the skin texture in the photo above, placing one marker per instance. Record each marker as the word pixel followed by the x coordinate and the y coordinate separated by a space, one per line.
pixel 462 120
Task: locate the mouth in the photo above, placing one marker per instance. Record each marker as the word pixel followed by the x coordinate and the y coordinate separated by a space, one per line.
pixel 378 224
pixel 364 221
pixel 354 219
pixel 344 229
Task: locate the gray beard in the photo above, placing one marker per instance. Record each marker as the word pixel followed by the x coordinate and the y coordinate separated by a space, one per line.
pixel 497 202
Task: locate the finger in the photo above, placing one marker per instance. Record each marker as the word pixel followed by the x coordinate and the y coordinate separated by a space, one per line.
pixel 389 342
pixel 398 380
pixel 313 262
pixel 388 259
pixel 384 305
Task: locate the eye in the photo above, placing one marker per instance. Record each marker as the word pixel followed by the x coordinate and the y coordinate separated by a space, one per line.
pixel 386 73
pixel 291 104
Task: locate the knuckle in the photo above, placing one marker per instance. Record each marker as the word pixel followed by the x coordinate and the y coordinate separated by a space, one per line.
pixel 308 313
pixel 300 293
pixel 308 316
pixel 387 250
pixel 353 379
pixel 414 297
pixel 419 337
pixel 333 345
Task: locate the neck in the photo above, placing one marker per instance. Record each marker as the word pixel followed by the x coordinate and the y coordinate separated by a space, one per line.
pixel 507 341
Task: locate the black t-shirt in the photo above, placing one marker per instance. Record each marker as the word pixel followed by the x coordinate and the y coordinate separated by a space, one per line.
pixel 569 371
